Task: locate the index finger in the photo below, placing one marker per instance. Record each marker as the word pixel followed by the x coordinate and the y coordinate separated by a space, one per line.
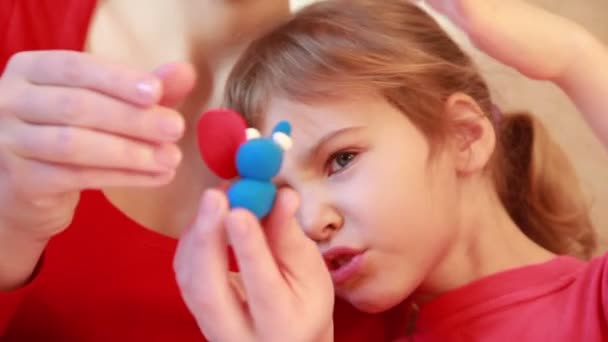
pixel 201 269
pixel 82 70
pixel 262 279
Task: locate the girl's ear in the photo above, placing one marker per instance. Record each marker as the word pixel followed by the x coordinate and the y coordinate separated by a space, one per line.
pixel 473 137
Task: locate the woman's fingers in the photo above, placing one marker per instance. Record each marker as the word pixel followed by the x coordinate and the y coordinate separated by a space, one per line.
pixel 177 79
pixel 31 179
pixel 77 107
pixel 89 148
pixel 78 70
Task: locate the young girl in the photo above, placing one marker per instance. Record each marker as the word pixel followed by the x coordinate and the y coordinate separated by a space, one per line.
pixel 416 190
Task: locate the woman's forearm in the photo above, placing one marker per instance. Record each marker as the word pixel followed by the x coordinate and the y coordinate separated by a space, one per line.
pixel 586 83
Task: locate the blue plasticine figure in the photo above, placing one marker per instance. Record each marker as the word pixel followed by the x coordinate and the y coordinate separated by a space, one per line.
pixel 258 160
pixel 232 150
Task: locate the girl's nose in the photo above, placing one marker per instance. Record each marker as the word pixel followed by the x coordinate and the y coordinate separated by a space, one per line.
pixel 319 219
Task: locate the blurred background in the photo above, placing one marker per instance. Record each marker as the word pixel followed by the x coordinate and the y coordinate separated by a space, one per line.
pixel 514 92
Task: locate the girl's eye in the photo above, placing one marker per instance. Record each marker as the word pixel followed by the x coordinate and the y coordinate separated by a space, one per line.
pixel 339 161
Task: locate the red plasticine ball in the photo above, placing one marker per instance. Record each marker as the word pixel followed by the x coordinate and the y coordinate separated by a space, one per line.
pixel 220 133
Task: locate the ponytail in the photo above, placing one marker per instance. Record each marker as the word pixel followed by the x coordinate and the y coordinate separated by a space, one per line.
pixel 539 188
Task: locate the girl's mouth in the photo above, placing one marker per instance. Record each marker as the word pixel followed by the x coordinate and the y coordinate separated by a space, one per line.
pixel 343 263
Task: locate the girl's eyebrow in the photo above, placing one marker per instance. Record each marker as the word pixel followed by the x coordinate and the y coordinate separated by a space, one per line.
pixel 316 149
pixel 320 145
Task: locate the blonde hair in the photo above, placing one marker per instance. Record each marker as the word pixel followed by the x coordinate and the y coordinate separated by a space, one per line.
pixel 394 48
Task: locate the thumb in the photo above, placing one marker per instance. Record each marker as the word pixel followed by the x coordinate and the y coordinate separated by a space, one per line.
pixel 293 250
pixel 178 79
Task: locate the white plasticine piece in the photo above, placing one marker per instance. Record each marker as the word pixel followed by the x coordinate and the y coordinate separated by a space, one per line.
pixel 252 133
pixel 282 140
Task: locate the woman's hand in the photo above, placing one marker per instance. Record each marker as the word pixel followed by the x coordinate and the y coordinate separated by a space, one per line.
pixel 541 45
pixel 69 122
pixel 283 291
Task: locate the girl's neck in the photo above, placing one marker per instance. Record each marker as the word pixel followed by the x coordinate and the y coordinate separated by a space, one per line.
pixel 488 242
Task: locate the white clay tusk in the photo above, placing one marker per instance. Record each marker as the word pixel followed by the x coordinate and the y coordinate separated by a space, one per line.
pixel 282 140
pixel 252 133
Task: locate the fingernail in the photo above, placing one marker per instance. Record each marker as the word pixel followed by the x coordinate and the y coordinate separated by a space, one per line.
pixel 238 225
pixel 210 203
pixel 172 126
pixel 168 157
pixel 148 89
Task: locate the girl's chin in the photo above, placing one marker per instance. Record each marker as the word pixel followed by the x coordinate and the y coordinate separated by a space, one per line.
pixel 370 303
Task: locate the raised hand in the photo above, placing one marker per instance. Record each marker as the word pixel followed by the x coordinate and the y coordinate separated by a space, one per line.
pixel 539 44
pixel 283 291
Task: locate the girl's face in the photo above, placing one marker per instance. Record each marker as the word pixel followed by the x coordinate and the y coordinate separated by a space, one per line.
pixel 380 208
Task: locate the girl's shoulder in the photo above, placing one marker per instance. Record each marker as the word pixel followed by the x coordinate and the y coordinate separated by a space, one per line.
pixel 544 301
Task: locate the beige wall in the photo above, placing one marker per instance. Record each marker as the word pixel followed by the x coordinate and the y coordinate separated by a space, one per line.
pixel 512 91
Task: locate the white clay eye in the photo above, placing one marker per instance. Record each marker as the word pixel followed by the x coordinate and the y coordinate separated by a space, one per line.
pixel 282 140
pixel 252 133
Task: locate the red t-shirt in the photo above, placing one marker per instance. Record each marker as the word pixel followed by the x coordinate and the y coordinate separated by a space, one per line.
pixel 108 279
pixel 564 299
pixel 105 278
